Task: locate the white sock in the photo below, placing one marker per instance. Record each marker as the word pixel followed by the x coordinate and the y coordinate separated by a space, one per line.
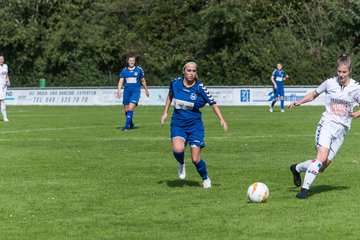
pixel 3 110
pixel 311 173
pixel 302 167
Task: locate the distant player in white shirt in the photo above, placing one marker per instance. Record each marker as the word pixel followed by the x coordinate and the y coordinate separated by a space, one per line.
pixel 342 94
pixel 4 83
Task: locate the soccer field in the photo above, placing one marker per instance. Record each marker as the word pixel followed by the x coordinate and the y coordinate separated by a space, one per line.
pixel 70 173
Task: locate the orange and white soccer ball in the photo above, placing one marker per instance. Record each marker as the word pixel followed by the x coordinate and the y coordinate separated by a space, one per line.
pixel 258 192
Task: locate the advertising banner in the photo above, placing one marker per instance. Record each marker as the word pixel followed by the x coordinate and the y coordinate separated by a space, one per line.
pixel 225 96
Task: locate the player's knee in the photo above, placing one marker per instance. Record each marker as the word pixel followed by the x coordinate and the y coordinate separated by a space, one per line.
pixel 178 147
pixel 324 166
pixel 195 160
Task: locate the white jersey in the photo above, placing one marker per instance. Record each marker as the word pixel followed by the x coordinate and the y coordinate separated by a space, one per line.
pixel 3 74
pixel 339 100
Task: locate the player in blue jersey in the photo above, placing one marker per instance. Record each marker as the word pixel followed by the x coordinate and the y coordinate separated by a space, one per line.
pixel 277 78
pixel 132 77
pixel 189 95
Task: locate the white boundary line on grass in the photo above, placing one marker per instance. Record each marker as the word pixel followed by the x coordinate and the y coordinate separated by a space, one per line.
pixel 132 138
pixel 67 128
pixel 151 138
pixel 143 138
pixel 47 129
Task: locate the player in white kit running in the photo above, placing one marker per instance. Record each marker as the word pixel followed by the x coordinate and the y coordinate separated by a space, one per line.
pixel 4 83
pixel 342 94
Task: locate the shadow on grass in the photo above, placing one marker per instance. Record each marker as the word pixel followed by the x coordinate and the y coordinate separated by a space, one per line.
pixel 317 189
pixel 134 128
pixel 326 188
pixel 180 183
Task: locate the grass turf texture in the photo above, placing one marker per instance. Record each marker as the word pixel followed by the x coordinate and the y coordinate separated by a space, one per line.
pixel 70 173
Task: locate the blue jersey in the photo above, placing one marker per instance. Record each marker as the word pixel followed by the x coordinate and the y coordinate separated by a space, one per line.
pixel 279 76
pixel 132 78
pixel 188 101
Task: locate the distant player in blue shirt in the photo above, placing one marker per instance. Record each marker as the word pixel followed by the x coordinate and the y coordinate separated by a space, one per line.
pixel 277 78
pixel 189 95
pixel 132 77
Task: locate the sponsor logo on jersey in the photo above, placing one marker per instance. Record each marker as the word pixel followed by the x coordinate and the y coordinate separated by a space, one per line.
pixel 184 105
pixel 193 96
pixel 340 107
pixel 131 80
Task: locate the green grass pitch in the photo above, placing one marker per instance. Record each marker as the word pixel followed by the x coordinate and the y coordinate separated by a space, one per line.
pixel 70 173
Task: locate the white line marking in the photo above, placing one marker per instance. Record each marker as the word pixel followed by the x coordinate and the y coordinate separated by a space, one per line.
pixel 122 136
pixel 167 138
pixel 47 129
pixel 70 128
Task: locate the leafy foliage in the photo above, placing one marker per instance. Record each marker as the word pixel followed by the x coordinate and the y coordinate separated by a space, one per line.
pixel 85 42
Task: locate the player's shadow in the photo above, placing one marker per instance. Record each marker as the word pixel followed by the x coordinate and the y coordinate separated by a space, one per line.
pixel 134 128
pixel 326 188
pixel 180 183
pixel 318 189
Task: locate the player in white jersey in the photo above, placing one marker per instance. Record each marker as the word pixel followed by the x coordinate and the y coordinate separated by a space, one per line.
pixel 4 83
pixel 342 94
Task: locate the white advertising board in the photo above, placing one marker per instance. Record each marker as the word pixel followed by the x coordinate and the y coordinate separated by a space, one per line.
pixel 264 96
pixel 231 96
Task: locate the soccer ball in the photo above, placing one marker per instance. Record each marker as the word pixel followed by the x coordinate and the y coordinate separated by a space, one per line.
pixel 258 192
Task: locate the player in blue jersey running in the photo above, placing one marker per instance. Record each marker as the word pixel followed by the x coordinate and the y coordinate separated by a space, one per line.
pixel 132 77
pixel 277 78
pixel 189 95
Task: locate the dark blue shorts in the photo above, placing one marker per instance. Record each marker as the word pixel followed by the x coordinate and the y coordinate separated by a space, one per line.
pixel 192 135
pixel 279 91
pixel 131 95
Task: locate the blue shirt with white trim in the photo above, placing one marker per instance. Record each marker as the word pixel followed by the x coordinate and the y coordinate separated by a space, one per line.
pixel 132 78
pixel 279 76
pixel 188 101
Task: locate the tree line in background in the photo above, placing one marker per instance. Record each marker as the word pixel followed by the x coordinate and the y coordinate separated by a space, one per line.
pixel 234 42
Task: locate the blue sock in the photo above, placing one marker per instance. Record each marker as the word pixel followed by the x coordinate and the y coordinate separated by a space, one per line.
pixel 129 116
pixel 273 103
pixel 282 104
pixel 131 123
pixel 125 112
pixel 201 168
pixel 179 156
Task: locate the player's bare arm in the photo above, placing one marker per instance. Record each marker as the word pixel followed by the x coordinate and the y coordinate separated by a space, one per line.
pixel 218 113
pixel 355 115
pixel 143 82
pixel 307 98
pixel 121 81
pixel 166 108
pixel 273 81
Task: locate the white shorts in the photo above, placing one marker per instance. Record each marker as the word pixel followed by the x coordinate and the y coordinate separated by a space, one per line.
pixel 3 89
pixel 330 135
